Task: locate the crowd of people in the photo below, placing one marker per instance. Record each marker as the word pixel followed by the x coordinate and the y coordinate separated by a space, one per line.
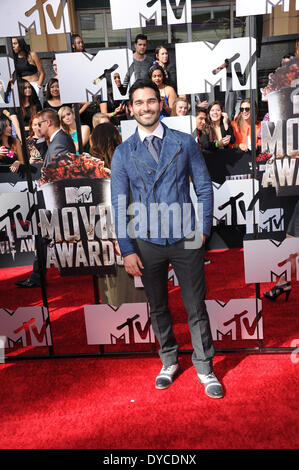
pixel 222 147
pixel 223 129
pixel 218 134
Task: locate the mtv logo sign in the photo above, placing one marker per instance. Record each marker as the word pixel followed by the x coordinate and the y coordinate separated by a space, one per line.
pixel 136 13
pixel 237 319
pixel 44 16
pixel 190 56
pixel 271 220
pixel 6 71
pixel 128 324
pixel 27 326
pixel 17 210
pixel 261 7
pixel 231 200
pixel 267 260
pixel 83 76
pixel 83 194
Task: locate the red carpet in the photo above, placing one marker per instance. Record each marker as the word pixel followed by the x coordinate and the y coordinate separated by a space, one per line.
pixel 111 403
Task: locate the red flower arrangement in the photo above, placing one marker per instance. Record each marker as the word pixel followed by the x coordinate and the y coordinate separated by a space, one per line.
pixel 70 166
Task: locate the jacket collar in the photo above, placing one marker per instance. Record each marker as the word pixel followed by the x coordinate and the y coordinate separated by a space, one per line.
pixel 170 147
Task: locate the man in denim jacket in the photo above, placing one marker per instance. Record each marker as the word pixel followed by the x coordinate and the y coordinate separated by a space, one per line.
pixel 155 173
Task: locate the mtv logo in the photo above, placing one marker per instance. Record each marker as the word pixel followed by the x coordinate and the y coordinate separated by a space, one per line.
pixel 83 76
pixel 240 53
pixel 74 195
pixel 232 199
pixel 129 324
pixel 17 210
pixel 6 71
pixel 27 326
pixel 237 318
pixel 136 13
pixel 44 16
pixel 261 7
pixel 271 220
pixel 267 260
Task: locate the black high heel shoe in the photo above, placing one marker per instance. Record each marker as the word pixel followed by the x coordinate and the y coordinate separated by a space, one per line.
pixel 276 291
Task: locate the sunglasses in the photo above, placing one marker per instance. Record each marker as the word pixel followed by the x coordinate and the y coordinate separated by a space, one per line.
pixel 244 109
pixel 40 123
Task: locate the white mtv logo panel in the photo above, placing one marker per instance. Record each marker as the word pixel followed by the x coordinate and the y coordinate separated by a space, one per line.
pixel 232 199
pixel 179 123
pixel 128 324
pixel 6 71
pixel 17 208
pixel 190 57
pixel 266 260
pixel 237 319
pixel 136 13
pixel 82 76
pixel 49 16
pixel 261 7
pixel 27 326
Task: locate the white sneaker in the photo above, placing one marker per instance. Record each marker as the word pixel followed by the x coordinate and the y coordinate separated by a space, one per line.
pixel 166 376
pixel 213 387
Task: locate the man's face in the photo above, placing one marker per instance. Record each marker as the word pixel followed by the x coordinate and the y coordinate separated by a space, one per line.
pixel 43 125
pixel 140 46
pixel 145 107
pixel 200 121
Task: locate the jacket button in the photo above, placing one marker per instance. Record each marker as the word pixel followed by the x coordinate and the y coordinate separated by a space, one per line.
pixel 149 172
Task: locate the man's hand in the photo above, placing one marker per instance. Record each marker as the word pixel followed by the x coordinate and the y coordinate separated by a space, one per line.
pixel 132 263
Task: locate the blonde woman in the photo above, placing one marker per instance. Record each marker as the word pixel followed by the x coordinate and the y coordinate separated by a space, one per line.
pixel 68 124
pixel 180 107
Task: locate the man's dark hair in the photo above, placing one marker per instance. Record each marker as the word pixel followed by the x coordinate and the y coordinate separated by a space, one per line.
pixel 143 37
pixel 201 110
pixel 143 83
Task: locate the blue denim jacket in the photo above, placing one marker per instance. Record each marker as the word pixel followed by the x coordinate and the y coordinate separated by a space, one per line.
pixel 152 187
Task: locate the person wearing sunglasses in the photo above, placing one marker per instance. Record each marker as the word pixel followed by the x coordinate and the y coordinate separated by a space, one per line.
pixel 59 141
pixel 242 127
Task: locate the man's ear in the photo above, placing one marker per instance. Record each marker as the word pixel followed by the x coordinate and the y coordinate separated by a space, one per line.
pixel 130 109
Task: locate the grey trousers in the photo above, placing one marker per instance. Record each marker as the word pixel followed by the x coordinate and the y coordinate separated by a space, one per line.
pixel 188 265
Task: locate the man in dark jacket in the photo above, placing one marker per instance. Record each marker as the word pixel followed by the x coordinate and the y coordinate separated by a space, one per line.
pixel 60 143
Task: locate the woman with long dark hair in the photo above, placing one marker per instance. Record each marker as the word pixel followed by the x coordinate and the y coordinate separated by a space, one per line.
pixel 215 139
pixel 10 148
pixel 28 64
pixel 53 99
pixel 103 141
pixel 162 59
pixel 167 92
pixel 242 126
pixel 29 102
pixel 218 128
